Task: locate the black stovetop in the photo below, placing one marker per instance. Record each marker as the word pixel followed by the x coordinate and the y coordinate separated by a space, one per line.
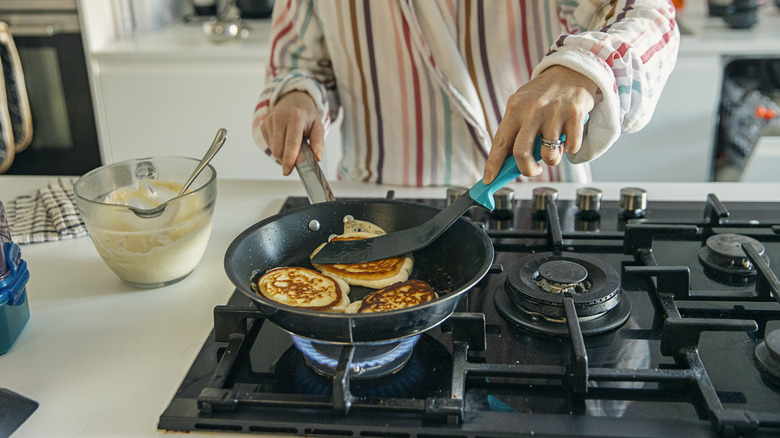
pixel 676 357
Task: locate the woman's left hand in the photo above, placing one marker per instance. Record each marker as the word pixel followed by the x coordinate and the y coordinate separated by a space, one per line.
pixel 555 102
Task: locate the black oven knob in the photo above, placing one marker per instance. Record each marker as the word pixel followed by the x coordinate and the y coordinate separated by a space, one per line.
pixel 633 201
pixel 588 201
pixel 541 195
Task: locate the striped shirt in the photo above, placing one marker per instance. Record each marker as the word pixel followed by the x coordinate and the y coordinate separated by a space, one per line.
pixel 423 84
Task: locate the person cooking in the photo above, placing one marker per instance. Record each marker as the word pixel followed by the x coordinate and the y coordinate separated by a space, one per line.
pixel 441 92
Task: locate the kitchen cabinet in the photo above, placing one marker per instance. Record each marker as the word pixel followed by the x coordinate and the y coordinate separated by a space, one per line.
pixel 176 108
pixel 167 92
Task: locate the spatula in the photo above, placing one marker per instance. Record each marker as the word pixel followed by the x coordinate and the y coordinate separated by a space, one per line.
pixel 416 238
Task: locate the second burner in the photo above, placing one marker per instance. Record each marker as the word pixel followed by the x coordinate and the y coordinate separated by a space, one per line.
pixel 538 282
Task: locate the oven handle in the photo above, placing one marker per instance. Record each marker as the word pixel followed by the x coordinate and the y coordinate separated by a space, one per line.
pixel 35 31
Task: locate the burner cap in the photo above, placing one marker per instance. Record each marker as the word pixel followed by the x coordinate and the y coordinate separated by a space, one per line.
pixel 563 272
pixel 723 253
pixel 768 356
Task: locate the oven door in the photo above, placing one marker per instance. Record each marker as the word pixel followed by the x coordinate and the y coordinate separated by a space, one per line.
pixel 48 39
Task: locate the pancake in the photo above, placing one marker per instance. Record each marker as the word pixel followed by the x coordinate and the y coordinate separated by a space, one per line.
pixel 397 296
pixel 305 289
pixel 358 226
pixel 375 275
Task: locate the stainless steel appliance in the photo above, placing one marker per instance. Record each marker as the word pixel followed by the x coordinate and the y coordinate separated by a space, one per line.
pixel 598 318
pixel 48 38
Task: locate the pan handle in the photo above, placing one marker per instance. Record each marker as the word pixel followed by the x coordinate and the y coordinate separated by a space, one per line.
pixel 317 187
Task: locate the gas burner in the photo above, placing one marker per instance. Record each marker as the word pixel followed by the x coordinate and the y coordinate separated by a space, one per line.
pixel 427 373
pixel 768 357
pixel 723 253
pixel 532 296
pixel 368 362
pixel 537 283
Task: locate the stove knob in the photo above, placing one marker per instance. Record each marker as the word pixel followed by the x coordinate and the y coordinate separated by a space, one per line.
pixel 503 198
pixel 454 193
pixel 633 201
pixel 588 200
pixel 541 195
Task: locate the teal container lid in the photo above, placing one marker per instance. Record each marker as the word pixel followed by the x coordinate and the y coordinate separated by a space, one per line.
pixel 16 276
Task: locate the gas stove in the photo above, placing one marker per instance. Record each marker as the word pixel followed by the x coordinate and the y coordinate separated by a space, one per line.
pixel 597 318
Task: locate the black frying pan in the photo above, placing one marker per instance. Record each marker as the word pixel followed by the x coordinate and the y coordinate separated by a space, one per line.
pixel 453 264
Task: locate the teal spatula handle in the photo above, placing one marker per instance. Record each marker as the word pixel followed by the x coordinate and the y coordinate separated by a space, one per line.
pixel 483 193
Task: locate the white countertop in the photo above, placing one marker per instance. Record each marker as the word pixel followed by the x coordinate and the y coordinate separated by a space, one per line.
pixel 104 359
pixel 188 41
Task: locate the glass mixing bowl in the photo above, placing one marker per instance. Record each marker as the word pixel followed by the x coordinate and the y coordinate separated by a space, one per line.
pixel 144 246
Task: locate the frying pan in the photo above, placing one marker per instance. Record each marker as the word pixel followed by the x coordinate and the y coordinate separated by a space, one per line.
pixel 453 264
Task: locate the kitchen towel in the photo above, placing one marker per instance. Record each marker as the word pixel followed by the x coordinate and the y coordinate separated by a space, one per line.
pixel 5 233
pixel 48 214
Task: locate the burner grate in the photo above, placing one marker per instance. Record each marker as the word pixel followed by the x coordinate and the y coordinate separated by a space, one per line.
pixel 681 336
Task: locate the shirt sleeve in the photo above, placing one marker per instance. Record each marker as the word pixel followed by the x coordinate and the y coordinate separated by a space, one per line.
pixel 298 61
pixel 629 49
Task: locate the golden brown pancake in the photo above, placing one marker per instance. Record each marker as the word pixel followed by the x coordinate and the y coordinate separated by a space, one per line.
pixel 304 288
pixel 397 296
pixel 376 274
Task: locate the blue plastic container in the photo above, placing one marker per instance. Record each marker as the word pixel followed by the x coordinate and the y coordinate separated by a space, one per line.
pixel 14 309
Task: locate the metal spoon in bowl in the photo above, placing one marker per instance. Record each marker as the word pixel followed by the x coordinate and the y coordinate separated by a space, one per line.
pixel 215 145
pixel 219 140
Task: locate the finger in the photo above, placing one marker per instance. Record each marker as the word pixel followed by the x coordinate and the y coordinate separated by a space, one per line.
pixel 551 155
pixel 494 161
pixel 292 146
pixel 265 133
pixel 277 133
pixel 503 142
pixel 264 130
pixel 523 151
pixel 317 140
pixel 575 130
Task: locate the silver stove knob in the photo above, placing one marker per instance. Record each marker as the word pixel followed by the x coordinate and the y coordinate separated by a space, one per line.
pixel 633 200
pixel 454 193
pixel 588 199
pixel 503 198
pixel 541 195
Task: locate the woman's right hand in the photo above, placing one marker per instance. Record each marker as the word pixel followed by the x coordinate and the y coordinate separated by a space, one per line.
pixel 293 118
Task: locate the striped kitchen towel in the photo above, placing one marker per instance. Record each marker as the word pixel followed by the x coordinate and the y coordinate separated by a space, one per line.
pixel 48 214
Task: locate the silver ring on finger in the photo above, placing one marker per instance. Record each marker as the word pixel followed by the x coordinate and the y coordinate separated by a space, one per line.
pixel 553 144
